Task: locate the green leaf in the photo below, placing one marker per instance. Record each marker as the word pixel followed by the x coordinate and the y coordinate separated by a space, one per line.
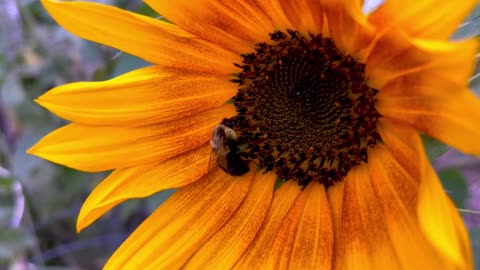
pixel 147 11
pixel 158 198
pixel 455 186
pixel 475 242
pixel 434 148
pixel 14 242
pixel 470 27
pixel 474 82
pixel 126 62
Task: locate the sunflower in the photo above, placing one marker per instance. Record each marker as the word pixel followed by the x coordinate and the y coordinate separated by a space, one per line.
pixel 324 104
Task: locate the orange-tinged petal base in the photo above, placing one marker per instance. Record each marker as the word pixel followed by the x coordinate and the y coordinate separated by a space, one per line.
pixel 258 253
pixel 404 144
pixel 306 15
pixel 349 27
pixel 273 10
pixel 365 242
pixel 305 239
pixel 233 25
pixel 228 244
pixel 335 199
pixel 183 223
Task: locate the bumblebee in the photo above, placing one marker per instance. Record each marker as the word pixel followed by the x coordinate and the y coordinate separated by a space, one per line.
pixel 226 151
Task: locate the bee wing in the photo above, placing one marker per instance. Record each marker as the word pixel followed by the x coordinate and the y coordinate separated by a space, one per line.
pixel 218 155
pixel 212 160
pixel 218 158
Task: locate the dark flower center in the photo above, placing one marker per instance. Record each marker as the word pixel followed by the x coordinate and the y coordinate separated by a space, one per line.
pixel 304 109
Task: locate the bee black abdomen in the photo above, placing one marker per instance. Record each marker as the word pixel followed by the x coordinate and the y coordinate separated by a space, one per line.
pixel 236 166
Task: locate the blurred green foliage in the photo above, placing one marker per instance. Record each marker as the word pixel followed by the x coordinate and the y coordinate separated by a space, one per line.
pixel 39 201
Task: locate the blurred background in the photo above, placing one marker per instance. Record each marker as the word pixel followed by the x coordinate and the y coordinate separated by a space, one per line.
pixel 39 201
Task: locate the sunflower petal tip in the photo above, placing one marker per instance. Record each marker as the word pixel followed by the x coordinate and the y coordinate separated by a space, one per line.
pixel 79 227
pixel 48 3
pixel 81 224
pixel 85 218
pixel 31 150
pixel 94 207
pixel 41 101
pixel 34 150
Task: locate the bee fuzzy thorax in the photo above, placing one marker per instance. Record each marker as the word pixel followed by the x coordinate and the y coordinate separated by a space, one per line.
pixel 220 134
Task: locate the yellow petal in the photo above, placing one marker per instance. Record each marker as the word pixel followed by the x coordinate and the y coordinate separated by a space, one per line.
pixel 441 222
pixel 305 239
pixel 365 242
pixel 91 148
pixel 349 27
pixel 405 145
pixel 396 195
pixel 395 55
pixel 153 40
pixel 145 96
pixel 427 19
pixel 313 246
pixel 335 199
pixel 452 119
pixel 227 245
pixel 172 234
pixel 281 247
pixel 257 253
pixel 142 181
pixel 306 15
pixel 423 83
pixel 437 215
pixel 233 25
pixel 273 10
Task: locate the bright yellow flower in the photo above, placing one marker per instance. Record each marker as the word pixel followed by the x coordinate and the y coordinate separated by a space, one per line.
pixel 325 98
